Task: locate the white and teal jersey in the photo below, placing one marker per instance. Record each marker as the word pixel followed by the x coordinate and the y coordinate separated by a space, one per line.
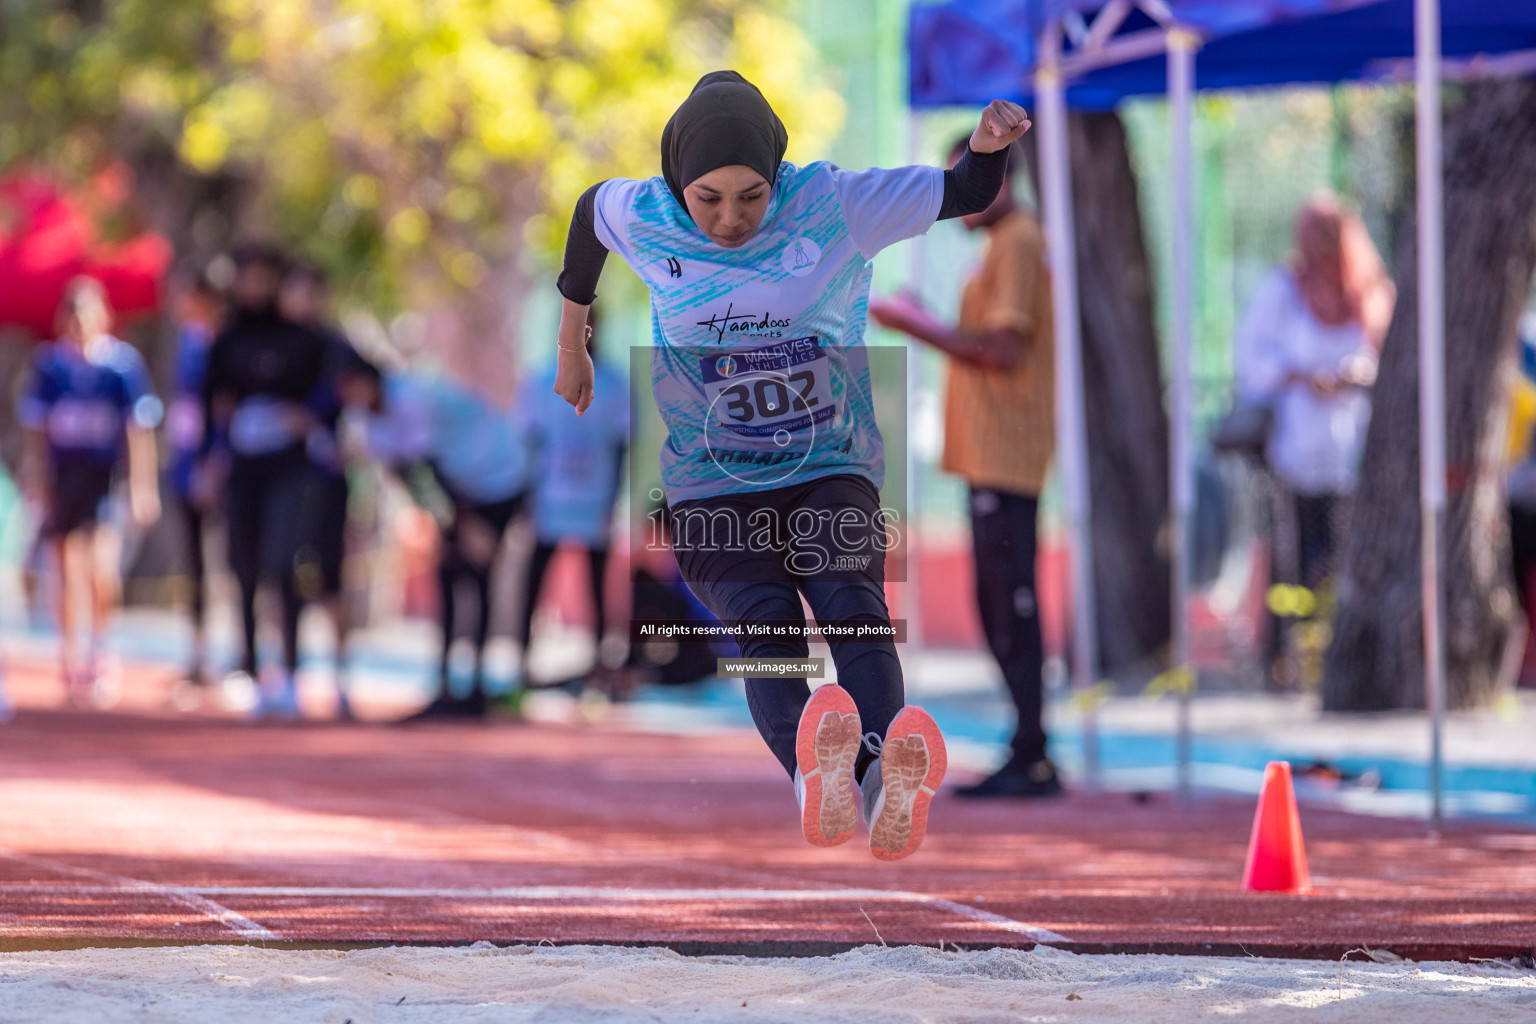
pixel 759 367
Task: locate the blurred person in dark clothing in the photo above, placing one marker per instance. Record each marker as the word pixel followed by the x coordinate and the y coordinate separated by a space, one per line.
pixel 263 374
pixel 303 299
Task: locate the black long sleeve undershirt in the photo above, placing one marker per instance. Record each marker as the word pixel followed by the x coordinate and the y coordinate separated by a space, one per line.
pixel 584 254
pixel 972 184
pixel 969 187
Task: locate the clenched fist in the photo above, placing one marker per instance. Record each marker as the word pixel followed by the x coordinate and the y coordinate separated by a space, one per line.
pixel 1002 123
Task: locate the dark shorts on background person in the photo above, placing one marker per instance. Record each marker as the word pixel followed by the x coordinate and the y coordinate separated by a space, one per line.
pixel 829 548
pixel 78 488
pixel 267 513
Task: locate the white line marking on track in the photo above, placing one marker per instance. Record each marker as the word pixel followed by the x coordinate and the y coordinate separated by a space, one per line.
pixel 188 896
pixel 567 893
pixel 1007 924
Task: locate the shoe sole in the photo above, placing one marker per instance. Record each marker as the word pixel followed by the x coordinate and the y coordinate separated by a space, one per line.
pixel 912 765
pixel 826 746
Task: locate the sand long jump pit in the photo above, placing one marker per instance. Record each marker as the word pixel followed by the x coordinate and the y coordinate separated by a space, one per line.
pixel 622 984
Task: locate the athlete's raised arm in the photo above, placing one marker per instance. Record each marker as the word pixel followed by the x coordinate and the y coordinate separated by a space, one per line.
pixel 972 184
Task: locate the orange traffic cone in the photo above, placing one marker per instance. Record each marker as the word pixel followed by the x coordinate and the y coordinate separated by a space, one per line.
pixel 1277 860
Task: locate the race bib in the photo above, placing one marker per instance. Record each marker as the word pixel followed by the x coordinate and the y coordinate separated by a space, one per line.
pixel 776 391
pixel 84 423
pixel 261 426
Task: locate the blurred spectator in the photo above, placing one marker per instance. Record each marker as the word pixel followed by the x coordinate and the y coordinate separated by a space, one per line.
pixel 321 552
pixel 999 436
pixel 198 309
pixel 1306 348
pixel 263 371
pixel 467 463
pixel 89 393
pixel 576 463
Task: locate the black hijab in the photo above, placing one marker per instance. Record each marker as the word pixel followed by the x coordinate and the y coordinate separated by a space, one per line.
pixel 724 121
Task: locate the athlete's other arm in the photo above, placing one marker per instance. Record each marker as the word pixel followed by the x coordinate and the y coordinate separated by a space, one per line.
pixel 574 372
pixel 584 258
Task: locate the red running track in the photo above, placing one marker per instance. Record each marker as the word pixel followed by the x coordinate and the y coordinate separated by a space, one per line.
pixel 143 825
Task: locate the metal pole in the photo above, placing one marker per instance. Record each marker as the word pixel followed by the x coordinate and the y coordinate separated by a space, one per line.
pixel 911 604
pixel 1431 372
pixel 1181 80
pixel 1071 429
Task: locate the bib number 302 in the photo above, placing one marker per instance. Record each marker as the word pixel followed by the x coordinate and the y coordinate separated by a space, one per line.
pixel 760 392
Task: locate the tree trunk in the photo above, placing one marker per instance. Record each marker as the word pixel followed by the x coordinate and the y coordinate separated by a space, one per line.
pixel 1376 658
pixel 1122 381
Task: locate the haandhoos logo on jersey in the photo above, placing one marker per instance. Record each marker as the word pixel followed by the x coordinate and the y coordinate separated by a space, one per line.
pixel 750 324
pixel 800 257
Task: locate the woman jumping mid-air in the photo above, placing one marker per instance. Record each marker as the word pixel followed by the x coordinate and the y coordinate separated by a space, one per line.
pixel 759 273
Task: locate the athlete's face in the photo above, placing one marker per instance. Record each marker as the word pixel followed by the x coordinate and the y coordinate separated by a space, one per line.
pixel 728 204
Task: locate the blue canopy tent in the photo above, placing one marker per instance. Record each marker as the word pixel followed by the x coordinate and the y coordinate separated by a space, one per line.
pixel 1094 53
pixel 973 51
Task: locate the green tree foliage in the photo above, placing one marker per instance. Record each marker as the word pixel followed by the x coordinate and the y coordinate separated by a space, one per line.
pixel 428 141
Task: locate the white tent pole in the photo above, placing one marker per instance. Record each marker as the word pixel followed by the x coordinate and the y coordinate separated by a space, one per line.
pixel 1181 79
pixel 911 598
pixel 1431 371
pixel 1071 428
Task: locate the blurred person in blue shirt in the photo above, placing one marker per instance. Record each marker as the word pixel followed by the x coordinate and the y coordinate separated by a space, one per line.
pixel 465 462
pixel 198 310
pixel 577 464
pixel 89 409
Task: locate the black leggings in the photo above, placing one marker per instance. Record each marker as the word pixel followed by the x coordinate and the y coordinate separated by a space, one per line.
pixel 741 584
pixel 454 569
pixel 1003 538
pixel 538 567
pixel 266 512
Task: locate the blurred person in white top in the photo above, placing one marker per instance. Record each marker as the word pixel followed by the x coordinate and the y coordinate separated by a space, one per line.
pixel 1307 349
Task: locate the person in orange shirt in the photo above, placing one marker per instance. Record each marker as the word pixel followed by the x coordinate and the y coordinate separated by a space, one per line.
pixel 999 435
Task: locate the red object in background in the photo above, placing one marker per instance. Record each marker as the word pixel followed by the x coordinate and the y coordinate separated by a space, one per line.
pixel 1277 859
pixel 48 236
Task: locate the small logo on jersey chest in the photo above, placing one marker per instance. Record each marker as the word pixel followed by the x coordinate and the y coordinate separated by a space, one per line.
pixel 674 267
pixel 800 256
